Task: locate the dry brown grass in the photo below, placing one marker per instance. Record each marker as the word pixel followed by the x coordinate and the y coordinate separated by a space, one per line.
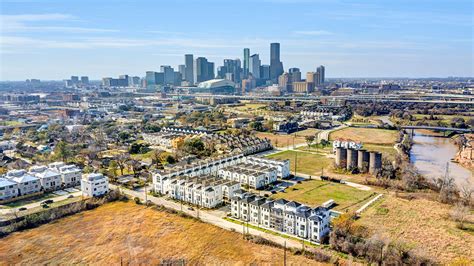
pixel 280 140
pixel 138 235
pixel 366 135
pixel 423 224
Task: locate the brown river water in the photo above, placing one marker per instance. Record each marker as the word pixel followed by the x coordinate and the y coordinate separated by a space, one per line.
pixel 431 154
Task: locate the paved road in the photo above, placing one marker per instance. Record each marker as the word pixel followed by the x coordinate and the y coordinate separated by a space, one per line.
pixel 38 203
pixel 213 217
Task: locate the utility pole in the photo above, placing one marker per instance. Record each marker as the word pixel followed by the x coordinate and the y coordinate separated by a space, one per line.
pixel 284 254
pixel 146 196
pixel 296 161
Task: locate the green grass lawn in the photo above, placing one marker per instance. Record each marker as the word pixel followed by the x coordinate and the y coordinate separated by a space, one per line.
pixel 33 199
pixel 316 192
pixel 307 163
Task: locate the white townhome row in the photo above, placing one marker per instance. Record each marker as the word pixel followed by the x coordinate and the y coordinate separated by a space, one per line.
pixel 70 174
pixel 94 185
pixel 255 176
pixel 289 217
pixel 50 179
pixel 27 184
pixel 8 189
pixel 204 191
pixel 261 171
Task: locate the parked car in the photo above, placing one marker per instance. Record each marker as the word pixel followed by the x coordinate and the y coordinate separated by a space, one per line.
pixel 22 209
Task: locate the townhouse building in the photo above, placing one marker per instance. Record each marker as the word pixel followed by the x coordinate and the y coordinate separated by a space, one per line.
pixel 94 185
pixel 70 174
pixel 282 166
pixel 255 176
pixel 280 215
pixel 27 184
pixel 8 189
pixel 50 179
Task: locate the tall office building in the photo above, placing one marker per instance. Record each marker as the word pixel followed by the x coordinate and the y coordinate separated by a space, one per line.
pixel 321 71
pixel 254 66
pixel 203 70
pixel 182 70
pixel 246 62
pixel 233 66
pixel 74 79
pixel 168 73
pixel 265 72
pixel 276 66
pixel 295 74
pixel 189 68
pixel 124 80
pixel 85 80
pixel 311 77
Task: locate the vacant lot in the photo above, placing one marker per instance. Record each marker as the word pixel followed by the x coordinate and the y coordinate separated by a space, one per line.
pixel 307 163
pixel 366 135
pixel 316 192
pixel 131 234
pixel 283 140
pixel 423 224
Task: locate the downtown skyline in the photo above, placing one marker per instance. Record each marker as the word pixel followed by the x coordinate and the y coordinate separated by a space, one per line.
pixel 53 40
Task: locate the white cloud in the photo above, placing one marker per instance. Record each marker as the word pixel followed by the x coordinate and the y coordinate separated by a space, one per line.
pixel 22 23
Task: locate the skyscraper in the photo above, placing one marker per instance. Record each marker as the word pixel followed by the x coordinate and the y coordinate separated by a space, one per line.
pixel 254 66
pixel 276 67
pixel 321 71
pixel 246 62
pixel 203 70
pixel 233 66
pixel 85 80
pixel 295 74
pixel 168 73
pixel 265 72
pixel 189 68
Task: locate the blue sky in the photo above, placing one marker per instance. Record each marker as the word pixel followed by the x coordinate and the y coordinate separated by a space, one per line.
pixel 54 39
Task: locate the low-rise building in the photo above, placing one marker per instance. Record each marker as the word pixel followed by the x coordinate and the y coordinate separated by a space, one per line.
pixel 27 184
pixel 70 174
pixel 94 185
pixel 50 179
pixel 8 189
pixel 280 215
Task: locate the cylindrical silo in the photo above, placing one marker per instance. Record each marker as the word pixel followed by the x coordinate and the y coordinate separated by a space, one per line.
pixel 341 157
pixel 363 161
pixel 375 162
pixel 351 159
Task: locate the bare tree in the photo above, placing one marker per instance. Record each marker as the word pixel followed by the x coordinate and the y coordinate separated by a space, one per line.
pixel 466 193
pixel 459 214
pixel 122 160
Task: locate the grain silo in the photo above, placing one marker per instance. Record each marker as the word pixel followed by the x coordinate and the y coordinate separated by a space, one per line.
pixel 363 161
pixel 351 159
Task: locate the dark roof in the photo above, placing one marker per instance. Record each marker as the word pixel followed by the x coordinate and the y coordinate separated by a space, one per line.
pixel 293 204
pixel 258 202
pixel 281 201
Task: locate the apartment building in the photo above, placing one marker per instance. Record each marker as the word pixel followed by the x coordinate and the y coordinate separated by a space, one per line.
pixel 27 184
pixel 284 216
pixel 8 189
pixel 50 179
pixel 94 185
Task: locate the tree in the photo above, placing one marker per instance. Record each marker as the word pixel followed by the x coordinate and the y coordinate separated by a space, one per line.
pixel 194 146
pixel 309 140
pixel 122 160
pixel 62 151
pixel 156 159
pixel 113 167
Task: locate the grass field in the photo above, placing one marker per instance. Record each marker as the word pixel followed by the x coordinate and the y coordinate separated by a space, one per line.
pixel 283 140
pixel 366 135
pixel 423 224
pixel 130 234
pixel 307 163
pixel 316 192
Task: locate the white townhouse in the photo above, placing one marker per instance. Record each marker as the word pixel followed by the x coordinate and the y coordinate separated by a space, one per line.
pixel 8 189
pixel 50 179
pixel 70 174
pixel 288 217
pixel 204 191
pixel 27 184
pixel 282 166
pixel 255 176
pixel 162 178
pixel 94 185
